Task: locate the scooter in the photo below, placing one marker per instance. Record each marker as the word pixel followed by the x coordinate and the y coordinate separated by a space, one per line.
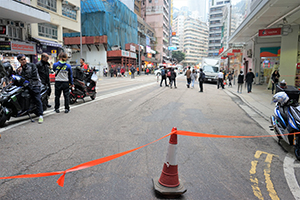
pixel 85 86
pixel 286 118
pixel 15 100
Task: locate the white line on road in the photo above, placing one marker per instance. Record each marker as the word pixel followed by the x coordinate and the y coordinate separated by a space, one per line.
pixel 289 172
pixel 51 112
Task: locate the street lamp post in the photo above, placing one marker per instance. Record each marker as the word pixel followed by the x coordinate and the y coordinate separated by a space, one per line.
pixel 139 52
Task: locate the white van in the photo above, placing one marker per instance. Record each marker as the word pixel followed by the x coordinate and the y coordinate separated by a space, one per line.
pixel 211 68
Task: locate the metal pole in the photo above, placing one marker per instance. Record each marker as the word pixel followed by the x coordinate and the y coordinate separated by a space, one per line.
pixel 80 33
pixel 139 53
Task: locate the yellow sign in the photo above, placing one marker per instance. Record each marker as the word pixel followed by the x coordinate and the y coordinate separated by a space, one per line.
pixel 53 51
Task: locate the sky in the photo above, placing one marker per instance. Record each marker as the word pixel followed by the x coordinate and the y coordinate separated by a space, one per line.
pixel 180 3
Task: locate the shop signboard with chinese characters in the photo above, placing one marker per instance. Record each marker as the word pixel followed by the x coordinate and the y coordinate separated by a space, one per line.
pixel 22 47
pixel 125 53
pixel 269 32
pixel 5 46
pixel 132 55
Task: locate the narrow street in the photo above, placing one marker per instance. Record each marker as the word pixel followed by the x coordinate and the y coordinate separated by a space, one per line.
pixel 128 113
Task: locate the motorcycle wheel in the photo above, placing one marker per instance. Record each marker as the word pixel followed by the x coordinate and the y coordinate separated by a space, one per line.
pixel 72 99
pixel 3 119
pixel 93 97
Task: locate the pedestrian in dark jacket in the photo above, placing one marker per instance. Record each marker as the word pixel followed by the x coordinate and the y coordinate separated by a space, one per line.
pixel 240 82
pixel 275 79
pixel 230 77
pixel 164 76
pixel 201 79
pixel 249 80
pixel 173 78
pixel 30 73
pixel 43 68
pixel 63 77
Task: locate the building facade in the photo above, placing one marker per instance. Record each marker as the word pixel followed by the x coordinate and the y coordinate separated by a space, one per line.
pixel 15 32
pixel 65 18
pixel 200 7
pixel 157 14
pixel 195 41
pixel 216 26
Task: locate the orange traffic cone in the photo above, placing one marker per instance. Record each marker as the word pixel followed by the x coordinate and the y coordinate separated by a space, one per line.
pixel 168 183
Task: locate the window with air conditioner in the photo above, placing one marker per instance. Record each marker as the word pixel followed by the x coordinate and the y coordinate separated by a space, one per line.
pixel 48 4
pixel 47 30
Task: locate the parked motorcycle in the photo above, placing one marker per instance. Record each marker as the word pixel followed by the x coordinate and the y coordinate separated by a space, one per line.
pixel 286 118
pixel 15 100
pixel 84 85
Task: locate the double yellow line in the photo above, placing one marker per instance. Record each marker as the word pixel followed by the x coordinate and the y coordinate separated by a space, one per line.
pixel 267 171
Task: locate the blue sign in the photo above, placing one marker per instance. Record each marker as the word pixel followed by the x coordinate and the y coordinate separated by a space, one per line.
pixel 172 48
pixel 147 41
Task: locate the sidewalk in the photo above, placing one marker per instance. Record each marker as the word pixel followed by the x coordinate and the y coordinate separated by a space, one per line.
pixel 259 99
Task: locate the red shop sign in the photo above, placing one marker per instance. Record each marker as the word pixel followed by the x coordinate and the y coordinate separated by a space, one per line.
pixel 236 51
pixel 269 32
pixel 298 65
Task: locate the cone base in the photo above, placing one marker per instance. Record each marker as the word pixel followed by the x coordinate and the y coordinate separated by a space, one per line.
pixel 168 191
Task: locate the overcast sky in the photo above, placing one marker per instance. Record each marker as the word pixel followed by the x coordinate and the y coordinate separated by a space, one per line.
pixel 179 3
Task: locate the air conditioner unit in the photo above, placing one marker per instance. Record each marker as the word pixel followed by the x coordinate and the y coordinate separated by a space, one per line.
pixel 76 8
pixel 64 2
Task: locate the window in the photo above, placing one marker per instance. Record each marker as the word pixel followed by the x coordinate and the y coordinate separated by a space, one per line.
pixel 49 4
pixel 47 30
pixel 69 11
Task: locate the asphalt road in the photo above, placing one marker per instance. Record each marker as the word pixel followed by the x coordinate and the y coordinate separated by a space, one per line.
pixel 130 113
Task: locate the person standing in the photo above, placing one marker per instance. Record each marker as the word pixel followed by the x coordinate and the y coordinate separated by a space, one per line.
pixel 240 82
pixel 63 77
pixel 43 68
pixel 249 80
pixel 188 77
pixel 275 79
pixel 201 79
pixel 164 76
pixel 123 71
pixel 138 70
pixel 132 70
pixel 119 71
pixel 193 77
pixel 111 71
pixel 220 79
pixel 173 78
pixel 30 73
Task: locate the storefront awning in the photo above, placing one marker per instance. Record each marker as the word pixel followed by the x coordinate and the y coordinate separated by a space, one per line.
pixel 47 42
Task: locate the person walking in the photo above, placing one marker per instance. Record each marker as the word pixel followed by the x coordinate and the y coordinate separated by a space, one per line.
pixel 173 78
pixel 132 70
pixel 164 76
pixel 275 79
pixel 249 80
pixel 188 77
pixel 230 77
pixel 30 73
pixel 123 71
pixel 193 77
pixel 201 79
pixel 240 82
pixel 138 71
pixel 63 77
pixel 220 79
pixel 119 71
pixel 43 68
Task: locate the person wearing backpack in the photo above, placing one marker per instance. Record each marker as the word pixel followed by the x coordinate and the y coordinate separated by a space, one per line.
pixel 172 78
pixel 164 77
pixel 201 79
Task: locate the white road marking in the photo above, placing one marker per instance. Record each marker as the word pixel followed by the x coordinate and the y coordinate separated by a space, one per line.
pixel 51 112
pixel 289 173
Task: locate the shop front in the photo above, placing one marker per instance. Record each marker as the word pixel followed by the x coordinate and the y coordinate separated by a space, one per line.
pixel 10 49
pixel 121 58
pixel 49 47
pixel 269 61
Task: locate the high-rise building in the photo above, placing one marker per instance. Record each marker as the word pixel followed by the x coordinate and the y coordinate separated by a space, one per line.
pixel 195 41
pixel 215 26
pixel 200 7
pixel 157 15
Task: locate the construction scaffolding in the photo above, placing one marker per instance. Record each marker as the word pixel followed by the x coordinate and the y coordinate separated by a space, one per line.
pixel 108 17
